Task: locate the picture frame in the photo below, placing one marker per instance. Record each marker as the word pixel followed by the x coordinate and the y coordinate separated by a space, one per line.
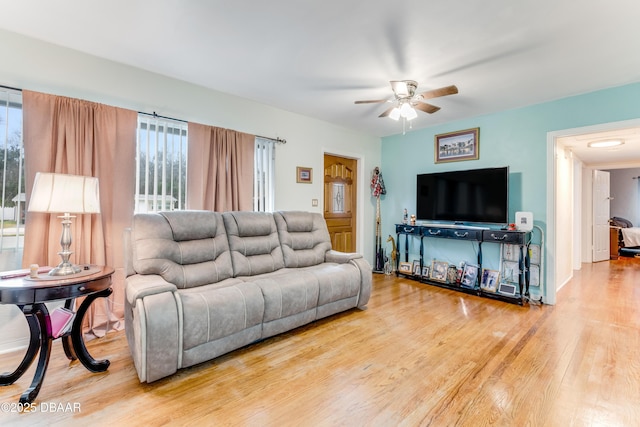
pixel 452 274
pixel 415 268
pixel 457 146
pixel 490 280
pixel 469 276
pixel 425 271
pixel 304 175
pixel 405 268
pixel 439 271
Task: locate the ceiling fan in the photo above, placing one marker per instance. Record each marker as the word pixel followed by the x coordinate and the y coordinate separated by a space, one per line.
pixel 405 99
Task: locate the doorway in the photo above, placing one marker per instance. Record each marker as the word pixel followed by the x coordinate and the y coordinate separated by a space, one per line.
pixel 563 159
pixel 340 201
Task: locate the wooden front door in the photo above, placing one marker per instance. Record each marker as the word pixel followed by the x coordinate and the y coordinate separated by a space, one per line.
pixel 340 201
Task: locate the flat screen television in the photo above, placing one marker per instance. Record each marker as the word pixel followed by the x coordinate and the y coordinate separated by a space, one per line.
pixel 469 196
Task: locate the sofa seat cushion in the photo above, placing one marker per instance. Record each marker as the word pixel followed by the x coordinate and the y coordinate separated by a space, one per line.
pixel 336 281
pixel 287 293
pixel 212 312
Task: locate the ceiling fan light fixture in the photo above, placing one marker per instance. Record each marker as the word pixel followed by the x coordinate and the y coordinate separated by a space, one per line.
pixel 410 114
pixel 406 109
pixel 605 144
pixel 394 114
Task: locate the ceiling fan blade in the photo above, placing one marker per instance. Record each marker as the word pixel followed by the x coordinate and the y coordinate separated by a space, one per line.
pixel 427 108
pixel 443 91
pixel 387 112
pixel 371 101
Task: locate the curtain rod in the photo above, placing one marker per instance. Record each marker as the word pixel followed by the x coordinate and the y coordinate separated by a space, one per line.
pixel 9 87
pixel 276 140
pixel 161 117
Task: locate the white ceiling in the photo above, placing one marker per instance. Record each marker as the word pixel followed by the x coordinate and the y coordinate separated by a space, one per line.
pixel 316 57
pixel 624 156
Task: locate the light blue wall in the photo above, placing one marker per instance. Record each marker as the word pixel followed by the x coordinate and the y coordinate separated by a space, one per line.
pixel 515 138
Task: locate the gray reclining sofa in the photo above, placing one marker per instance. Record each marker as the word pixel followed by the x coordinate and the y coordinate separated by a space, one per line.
pixel 200 284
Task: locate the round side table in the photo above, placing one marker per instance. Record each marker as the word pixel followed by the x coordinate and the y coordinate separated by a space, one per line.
pixel 30 295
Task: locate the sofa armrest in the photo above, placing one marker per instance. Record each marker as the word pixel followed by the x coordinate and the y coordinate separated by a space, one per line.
pixel 366 280
pixel 153 323
pixel 340 257
pixel 142 285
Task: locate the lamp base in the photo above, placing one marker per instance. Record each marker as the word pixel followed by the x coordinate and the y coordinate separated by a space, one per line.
pixel 64 269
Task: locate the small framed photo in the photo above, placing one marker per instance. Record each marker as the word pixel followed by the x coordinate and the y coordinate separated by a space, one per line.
pixel 416 267
pixel 469 276
pixel 304 175
pixel 489 280
pixel 457 146
pixel 452 275
pixel 439 271
pixel 425 271
pixel 405 268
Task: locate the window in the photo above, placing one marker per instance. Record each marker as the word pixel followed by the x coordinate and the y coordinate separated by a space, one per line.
pixel 161 167
pixel 264 175
pixel 12 191
pixel 161 164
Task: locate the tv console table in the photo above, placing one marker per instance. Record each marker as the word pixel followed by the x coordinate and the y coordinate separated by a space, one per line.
pixel 471 234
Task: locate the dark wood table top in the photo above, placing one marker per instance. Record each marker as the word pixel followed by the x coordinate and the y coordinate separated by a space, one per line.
pixel 25 290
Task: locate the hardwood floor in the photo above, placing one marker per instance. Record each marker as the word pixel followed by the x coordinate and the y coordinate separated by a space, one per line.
pixel 419 355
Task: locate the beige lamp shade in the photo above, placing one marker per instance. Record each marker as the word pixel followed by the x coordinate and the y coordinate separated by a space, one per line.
pixel 54 193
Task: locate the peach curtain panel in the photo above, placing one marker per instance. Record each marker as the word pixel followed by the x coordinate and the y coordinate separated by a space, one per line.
pixel 66 135
pixel 223 160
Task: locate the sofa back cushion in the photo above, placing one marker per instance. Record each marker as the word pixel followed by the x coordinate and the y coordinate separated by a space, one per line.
pixel 253 241
pixel 186 248
pixel 304 238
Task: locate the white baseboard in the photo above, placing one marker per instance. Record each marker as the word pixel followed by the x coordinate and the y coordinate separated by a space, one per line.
pixel 13 346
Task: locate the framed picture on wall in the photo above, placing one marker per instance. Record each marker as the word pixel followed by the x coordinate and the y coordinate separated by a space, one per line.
pixel 304 175
pixel 457 146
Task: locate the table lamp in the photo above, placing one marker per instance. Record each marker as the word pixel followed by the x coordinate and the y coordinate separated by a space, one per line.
pixel 67 194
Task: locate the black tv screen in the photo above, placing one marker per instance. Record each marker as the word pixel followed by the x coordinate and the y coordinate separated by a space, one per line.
pixel 477 195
